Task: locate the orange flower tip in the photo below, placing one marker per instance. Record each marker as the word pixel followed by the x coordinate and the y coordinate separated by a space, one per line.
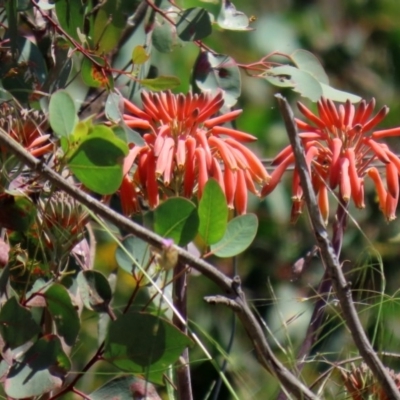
pixel 222 119
pixel 386 133
pixel 310 135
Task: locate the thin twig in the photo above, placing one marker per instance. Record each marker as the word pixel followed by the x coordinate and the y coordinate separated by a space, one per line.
pixel 180 302
pixel 250 323
pixel 341 286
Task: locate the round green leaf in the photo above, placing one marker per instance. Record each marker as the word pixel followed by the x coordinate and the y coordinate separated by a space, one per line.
pixel 41 370
pixel 164 37
pixel 161 83
pixel 139 55
pixel 137 248
pixel 95 290
pixel 123 387
pixel 17 325
pixel 70 15
pixel 230 18
pixel 213 213
pixel 214 72
pixel 306 61
pixel 98 160
pixel 194 24
pixel 63 313
pixel 301 81
pixel 338 95
pixel 150 347
pixel 239 234
pixel 62 113
pixel 176 219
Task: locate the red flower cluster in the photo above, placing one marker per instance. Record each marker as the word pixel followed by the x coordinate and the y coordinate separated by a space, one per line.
pixel 340 148
pixel 185 145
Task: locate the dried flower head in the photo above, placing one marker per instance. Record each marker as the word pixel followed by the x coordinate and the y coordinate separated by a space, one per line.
pixel 361 384
pixel 185 146
pixel 340 147
pixel 25 126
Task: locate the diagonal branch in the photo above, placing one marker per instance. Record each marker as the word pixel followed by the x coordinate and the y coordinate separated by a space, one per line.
pixel 231 287
pixel 341 286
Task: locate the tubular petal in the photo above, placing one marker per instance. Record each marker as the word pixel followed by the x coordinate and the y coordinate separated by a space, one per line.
pixel 180 152
pixel 250 183
pixel 282 155
pixel 130 159
pixel 349 113
pixel 135 110
pixel 373 173
pixel 241 193
pixel 378 149
pixel 256 167
pixel 297 190
pixel 216 173
pixel 392 180
pixel 276 176
pixel 345 186
pixel 353 176
pixel 376 119
pixel 202 169
pixel 303 125
pixel 224 152
pixel 230 178
pixel 151 184
pixel 367 112
pixel 202 139
pixel 137 123
pixel 311 116
pixel 165 157
pixel 222 119
pixel 359 112
pixel 128 197
pixel 391 205
pixel 334 168
pixel 323 203
pixel 240 159
pixel 233 133
pixel 386 133
pixel 297 207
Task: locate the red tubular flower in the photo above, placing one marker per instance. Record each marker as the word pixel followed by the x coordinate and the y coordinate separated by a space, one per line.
pixel 185 146
pixel 340 148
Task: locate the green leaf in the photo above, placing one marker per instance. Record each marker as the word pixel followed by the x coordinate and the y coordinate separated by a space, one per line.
pixel 164 37
pixel 114 106
pixel 300 81
pixel 62 113
pixel 162 82
pixel 213 213
pixel 95 290
pixel 98 160
pixel 17 325
pixel 128 135
pixel 239 234
pixel 63 313
pixel 42 369
pixel 214 72
pixel 94 75
pixel 338 95
pixel 109 24
pixel 306 61
pixel 194 24
pixel 121 388
pixel 230 18
pixel 150 347
pixel 137 248
pixel 70 15
pixel 139 55
pixel 176 219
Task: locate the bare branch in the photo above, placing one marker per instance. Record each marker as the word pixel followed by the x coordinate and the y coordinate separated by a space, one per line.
pixel 341 286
